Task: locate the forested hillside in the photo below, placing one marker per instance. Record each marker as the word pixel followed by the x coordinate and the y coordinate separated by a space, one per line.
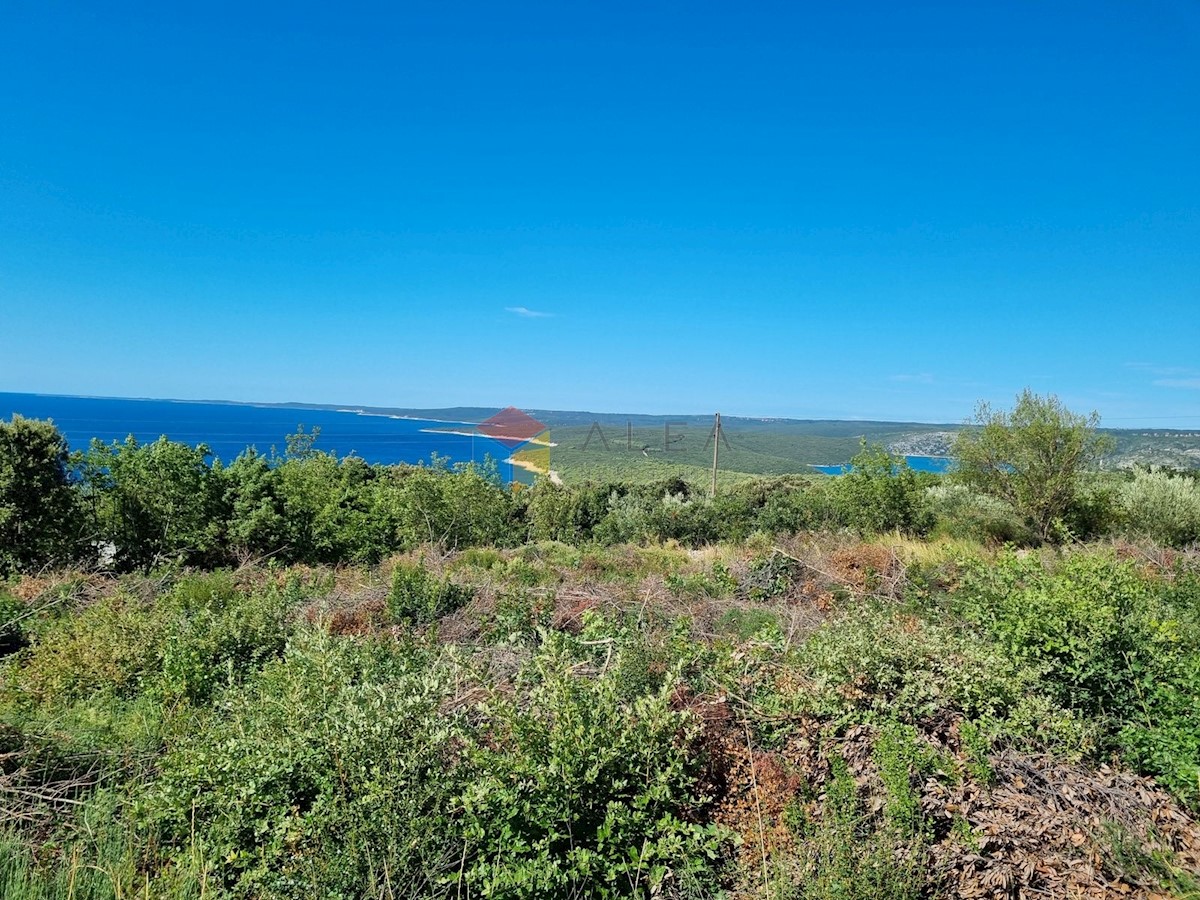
pixel 591 446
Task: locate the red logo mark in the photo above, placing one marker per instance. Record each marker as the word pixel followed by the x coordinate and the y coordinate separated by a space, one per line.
pixel 511 427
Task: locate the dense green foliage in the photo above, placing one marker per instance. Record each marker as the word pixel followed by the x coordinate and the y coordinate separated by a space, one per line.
pixel 152 502
pixel 1163 506
pixel 297 764
pixel 1031 457
pixel 305 676
pixel 39 524
pixel 141 506
pixel 1117 648
pixel 418 598
pixel 881 493
pixel 218 736
pixel 161 503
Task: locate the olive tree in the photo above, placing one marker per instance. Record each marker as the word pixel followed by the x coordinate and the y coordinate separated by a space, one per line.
pixel 1031 457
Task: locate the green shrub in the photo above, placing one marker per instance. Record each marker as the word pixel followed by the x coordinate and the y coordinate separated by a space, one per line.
pixel 751 624
pixel 886 664
pixel 12 613
pixel 255 524
pixel 481 558
pixel 1118 647
pixel 961 512
pixel 216 634
pixel 450 509
pixel 1037 723
pixel 202 633
pixel 331 773
pixel 695 521
pixel 719 582
pixel 579 792
pixel 517 618
pixel 904 763
pixel 771 576
pixel 40 516
pixel 556 513
pixel 880 493
pixel 113 646
pixel 156 503
pixel 626 521
pixel 1081 625
pixel 794 509
pixel 528 571
pixel 332 510
pixel 851 855
pixel 1161 733
pixel 1096 509
pixel 1163 506
pixel 419 598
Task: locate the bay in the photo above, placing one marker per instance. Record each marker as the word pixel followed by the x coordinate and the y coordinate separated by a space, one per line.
pixel 936 464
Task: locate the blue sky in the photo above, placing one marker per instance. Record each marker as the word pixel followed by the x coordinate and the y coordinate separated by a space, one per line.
pixel 880 210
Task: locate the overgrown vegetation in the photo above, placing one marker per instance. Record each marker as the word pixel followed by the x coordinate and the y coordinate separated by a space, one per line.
pixel 308 677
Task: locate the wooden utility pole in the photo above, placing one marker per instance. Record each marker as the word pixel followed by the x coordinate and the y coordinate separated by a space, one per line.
pixel 716 450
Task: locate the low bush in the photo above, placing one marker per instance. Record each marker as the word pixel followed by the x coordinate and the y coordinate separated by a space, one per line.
pixel 517 618
pixel 419 598
pixel 1082 624
pixel 331 773
pixel 12 613
pixel 203 633
pixel 217 634
pixel 851 854
pixel 880 493
pixel 1163 507
pixel 961 512
pixel 882 664
pixel 1118 646
pixel 717 582
pixel 581 792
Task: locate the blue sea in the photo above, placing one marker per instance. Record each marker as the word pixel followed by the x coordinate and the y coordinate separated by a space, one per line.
pixel 935 464
pixel 229 428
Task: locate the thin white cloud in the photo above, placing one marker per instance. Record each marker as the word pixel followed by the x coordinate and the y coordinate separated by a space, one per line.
pixel 918 378
pixel 1185 378
pixel 526 313
pixel 1162 371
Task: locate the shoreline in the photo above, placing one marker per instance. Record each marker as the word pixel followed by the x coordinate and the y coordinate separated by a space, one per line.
pixel 527 466
pixel 377 415
pixel 480 434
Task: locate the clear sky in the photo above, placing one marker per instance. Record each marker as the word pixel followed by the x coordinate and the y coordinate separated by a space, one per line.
pixel 884 210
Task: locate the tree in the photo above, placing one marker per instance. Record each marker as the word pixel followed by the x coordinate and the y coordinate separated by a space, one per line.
pixel 39 522
pixel 448 508
pixel 1031 458
pixel 153 502
pixel 251 507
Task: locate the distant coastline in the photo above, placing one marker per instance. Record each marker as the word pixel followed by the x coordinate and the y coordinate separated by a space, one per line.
pixel 475 433
pixel 382 415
